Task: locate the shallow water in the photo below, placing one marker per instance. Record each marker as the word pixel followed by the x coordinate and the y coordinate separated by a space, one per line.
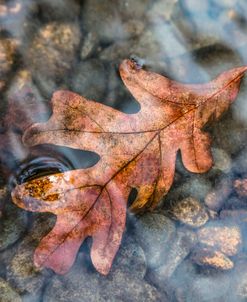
pixel 78 45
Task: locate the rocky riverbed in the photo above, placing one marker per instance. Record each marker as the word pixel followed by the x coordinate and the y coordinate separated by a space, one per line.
pixel 193 247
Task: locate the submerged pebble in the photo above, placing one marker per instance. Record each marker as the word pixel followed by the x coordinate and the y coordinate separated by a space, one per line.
pixel 227 239
pixel 82 284
pixel 21 270
pixel 218 196
pixel 56 44
pixel 7 293
pixel 240 186
pixel 190 211
pixel 13 225
pixel 176 251
pixel 154 232
pixel 215 259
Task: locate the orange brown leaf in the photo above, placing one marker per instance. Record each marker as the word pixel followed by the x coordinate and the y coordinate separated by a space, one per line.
pixel 136 151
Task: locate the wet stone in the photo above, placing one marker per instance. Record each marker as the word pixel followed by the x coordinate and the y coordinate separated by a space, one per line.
pixel 89 45
pixel 161 10
pixel 190 211
pixel 81 284
pixel 240 185
pixel 7 293
pixel 66 10
pixel 25 103
pixel 130 259
pixel 21 271
pixel 13 225
pixel 209 288
pixel 176 251
pixel 197 186
pixel 115 21
pixel 227 239
pixel 8 49
pixel 239 215
pixel 153 232
pixel 52 53
pixel 215 259
pixel 230 134
pixel 216 198
pixel 145 46
pixel 222 161
pixel 90 79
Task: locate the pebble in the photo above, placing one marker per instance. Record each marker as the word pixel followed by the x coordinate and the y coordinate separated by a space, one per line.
pixel 240 185
pixel 222 160
pixel 209 288
pixel 89 45
pixel 25 103
pixel 13 225
pixel 154 232
pixel 81 284
pixel 190 211
pixel 215 259
pixel 176 251
pixel 239 215
pixel 162 11
pixel 118 21
pixel 226 239
pixel 54 45
pixel 146 46
pixel 196 185
pixel 7 293
pixel 21 271
pixel 193 6
pixel 229 134
pixel 130 259
pixel 8 48
pixel 65 10
pixel 90 79
pixel 240 162
pixel 218 196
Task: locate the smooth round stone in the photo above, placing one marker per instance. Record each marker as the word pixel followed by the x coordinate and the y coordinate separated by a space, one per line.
pixel 190 211
pixel 153 232
pixel 215 259
pixel 7 293
pixel 13 225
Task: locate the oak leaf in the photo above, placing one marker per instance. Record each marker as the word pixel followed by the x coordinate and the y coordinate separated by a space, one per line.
pixel 136 151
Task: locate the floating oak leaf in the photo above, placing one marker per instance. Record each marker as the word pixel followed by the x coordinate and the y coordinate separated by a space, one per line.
pixel 136 151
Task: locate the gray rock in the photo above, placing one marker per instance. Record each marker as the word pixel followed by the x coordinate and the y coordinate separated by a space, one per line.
pixel 82 285
pixel 222 160
pixel 66 10
pixel 196 186
pixel 130 259
pixel 13 225
pixel 21 271
pixel 7 293
pixel 229 134
pixel 209 288
pixel 89 45
pixel 146 46
pixel 176 251
pixel 154 232
pixel 161 11
pixel 52 53
pixel 116 20
pixel 90 79
pixel 217 197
